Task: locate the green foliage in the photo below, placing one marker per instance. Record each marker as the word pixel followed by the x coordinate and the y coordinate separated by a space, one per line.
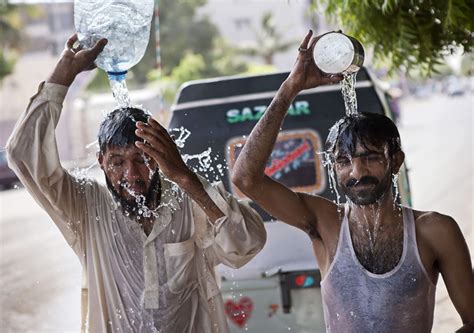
pixel 100 82
pixel 410 34
pixel 191 67
pixel 223 60
pixel 268 41
pixel 11 34
pixel 190 49
pixel 260 69
pixel 6 66
pixel 9 39
pixel 182 32
pixel 467 65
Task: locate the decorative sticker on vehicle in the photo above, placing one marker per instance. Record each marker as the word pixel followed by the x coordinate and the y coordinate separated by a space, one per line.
pixel 294 161
pixel 247 113
pixel 239 312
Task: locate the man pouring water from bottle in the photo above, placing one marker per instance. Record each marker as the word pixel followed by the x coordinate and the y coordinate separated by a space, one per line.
pixel 149 240
pixel 380 261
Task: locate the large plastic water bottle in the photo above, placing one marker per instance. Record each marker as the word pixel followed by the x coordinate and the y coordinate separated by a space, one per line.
pixel 125 24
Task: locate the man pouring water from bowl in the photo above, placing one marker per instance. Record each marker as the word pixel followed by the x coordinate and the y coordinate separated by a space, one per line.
pixel 380 261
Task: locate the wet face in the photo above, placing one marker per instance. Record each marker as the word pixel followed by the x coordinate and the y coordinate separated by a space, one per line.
pixel 365 176
pixel 128 171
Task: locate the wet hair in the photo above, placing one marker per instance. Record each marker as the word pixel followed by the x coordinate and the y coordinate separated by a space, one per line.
pixel 368 129
pixel 118 128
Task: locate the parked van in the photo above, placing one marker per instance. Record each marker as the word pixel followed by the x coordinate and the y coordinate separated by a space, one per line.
pixel 279 290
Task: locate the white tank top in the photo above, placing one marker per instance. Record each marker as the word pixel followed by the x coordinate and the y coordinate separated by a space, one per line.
pixel 356 300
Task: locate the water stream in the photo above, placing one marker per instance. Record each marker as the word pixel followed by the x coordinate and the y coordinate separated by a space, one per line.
pixel 120 91
pixel 348 85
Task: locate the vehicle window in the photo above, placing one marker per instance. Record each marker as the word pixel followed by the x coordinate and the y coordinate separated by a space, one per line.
pixel 3 158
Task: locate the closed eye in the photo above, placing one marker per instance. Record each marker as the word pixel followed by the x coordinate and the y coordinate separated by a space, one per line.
pixel 116 162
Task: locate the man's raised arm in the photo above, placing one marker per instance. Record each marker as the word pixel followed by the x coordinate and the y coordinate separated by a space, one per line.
pixel 249 170
pixel 236 230
pixel 32 150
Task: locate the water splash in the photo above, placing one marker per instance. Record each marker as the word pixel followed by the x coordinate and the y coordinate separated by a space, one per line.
pixel 183 135
pixel 204 159
pixel 206 163
pixel 370 226
pixel 395 186
pixel 348 85
pixel 329 164
pixel 120 91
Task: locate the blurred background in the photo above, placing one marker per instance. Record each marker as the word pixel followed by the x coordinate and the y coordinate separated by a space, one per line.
pixel 425 65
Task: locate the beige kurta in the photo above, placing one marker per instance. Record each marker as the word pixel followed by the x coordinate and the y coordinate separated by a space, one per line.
pixel 163 282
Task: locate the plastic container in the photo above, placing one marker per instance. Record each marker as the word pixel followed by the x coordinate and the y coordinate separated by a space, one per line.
pixel 336 53
pixel 125 24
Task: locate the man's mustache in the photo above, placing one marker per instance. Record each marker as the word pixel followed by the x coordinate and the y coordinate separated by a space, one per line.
pixel 366 180
pixel 127 184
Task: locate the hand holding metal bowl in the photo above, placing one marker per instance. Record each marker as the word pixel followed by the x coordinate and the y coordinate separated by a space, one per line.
pixel 336 53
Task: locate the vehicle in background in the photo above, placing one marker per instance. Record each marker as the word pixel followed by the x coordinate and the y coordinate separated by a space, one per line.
pixel 454 86
pixel 8 179
pixel 279 290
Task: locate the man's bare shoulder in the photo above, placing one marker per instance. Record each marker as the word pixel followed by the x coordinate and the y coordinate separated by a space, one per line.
pixel 326 213
pixel 433 220
pixel 437 229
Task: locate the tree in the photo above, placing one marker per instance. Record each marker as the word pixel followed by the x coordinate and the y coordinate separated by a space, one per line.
pixel 193 66
pixel 12 20
pixel 410 34
pixel 268 41
pixel 9 39
pixel 182 32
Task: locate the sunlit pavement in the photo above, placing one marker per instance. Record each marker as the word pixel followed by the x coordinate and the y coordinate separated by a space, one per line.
pixel 40 275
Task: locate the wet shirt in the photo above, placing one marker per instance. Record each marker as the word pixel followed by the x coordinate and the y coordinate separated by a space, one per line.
pixel 356 300
pixel 163 282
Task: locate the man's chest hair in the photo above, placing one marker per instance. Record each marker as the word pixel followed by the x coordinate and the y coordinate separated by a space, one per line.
pixel 379 252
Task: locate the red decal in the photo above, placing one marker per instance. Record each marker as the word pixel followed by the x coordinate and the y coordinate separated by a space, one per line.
pixel 300 279
pixel 239 312
pixel 273 310
pixel 279 164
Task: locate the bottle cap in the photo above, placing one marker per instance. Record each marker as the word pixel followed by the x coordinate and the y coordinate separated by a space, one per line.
pixel 117 76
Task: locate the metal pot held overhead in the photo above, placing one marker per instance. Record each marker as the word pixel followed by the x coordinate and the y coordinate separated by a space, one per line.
pixel 336 53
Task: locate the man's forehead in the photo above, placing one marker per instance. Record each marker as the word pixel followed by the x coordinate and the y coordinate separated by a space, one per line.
pixel 360 149
pixel 129 150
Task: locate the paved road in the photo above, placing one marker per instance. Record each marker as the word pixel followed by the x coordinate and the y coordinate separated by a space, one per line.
pixel 40 275
pixel 438 142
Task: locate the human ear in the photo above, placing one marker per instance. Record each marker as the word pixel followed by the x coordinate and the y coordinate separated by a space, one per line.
pixel 100 159
pixel 397 160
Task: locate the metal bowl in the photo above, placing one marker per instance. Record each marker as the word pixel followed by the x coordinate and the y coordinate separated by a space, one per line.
pixel 337 53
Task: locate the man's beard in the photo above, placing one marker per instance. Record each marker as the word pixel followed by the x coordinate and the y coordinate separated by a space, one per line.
pixel 148 201
pixel 366 196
